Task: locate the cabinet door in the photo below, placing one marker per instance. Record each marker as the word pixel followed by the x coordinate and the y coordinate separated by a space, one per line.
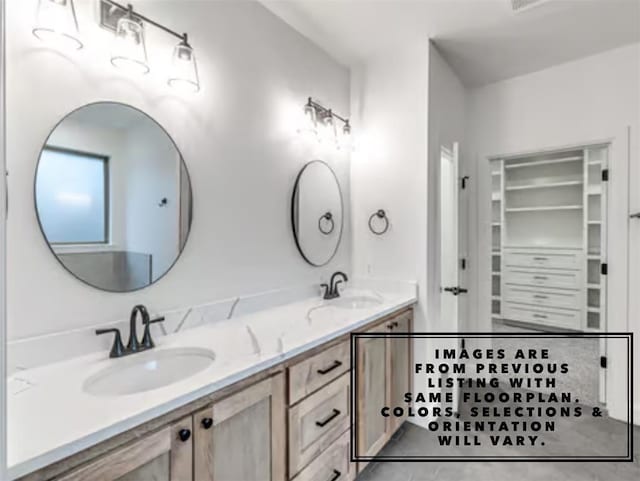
pixel 400 354
pixel 373 392
pixel 166 455
pixel 243 436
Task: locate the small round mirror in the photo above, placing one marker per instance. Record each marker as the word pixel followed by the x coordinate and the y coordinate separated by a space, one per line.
pixel 113 197
pixel 317 212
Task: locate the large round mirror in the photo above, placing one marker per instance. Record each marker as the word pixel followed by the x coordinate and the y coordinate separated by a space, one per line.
pixel 316 213
pixel 113 197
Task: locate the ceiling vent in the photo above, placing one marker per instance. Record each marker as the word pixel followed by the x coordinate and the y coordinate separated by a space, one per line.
pixel 522 5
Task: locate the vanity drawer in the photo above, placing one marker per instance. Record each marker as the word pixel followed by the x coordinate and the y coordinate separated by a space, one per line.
pixel 543 297
pixel 333 464
pixel 564 318
pixel 317 421
pixel 545 278
pixel 311 374
pixel 552 260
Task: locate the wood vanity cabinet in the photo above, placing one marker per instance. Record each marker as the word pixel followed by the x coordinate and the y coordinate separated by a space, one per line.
pixel 243 437
pixel 165 455
pixel 383 377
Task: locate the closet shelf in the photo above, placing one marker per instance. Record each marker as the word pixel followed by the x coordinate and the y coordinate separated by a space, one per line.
pixel 496 196
pixel 594 222
pixel 543 208
pixel 535 163
pixel 594 190
pixel 544 186
pixel 593 285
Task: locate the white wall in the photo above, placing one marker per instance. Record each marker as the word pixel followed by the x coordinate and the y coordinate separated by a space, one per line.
pixel 389 170
pixel 237 137
pixel 447 119
pixel 153 173
pixel 593 99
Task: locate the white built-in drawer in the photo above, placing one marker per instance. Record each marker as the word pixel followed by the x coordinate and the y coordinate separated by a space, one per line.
pixel 564 318
pixel 543 297
pixel 544 278
pixel 556 259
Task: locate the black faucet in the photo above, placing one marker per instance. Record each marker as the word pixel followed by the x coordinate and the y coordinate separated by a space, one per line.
pixel 133 346
pixel 331 289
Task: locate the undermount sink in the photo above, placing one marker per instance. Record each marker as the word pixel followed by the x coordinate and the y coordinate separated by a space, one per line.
pixel 356 302
pixel 148 370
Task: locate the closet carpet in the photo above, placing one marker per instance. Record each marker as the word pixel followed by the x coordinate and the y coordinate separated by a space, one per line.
pixel 582 355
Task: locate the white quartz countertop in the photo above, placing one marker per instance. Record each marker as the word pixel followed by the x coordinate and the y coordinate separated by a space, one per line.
pixel 51 417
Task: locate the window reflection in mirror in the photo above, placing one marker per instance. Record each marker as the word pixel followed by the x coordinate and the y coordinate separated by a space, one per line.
pixel 113 197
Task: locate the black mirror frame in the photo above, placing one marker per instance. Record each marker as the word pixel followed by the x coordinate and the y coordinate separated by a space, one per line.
pixel 186 170
pixel 294 213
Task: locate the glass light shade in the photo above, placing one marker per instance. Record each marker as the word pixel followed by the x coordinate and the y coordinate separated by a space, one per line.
pixel 128 51
pixel 328 133
pixel 345 141
pixel 184 70
pixel 309 127
pixel 56 24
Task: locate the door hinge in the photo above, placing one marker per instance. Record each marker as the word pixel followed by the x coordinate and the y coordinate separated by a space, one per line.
pixel 604 268
pixel 463 264
pixel 463 181
pixel 605 175
pixel 603 362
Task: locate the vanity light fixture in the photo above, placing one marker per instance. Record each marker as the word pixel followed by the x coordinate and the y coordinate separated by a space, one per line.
pixel 129 45
pixel 129 52
pixel 56 24
pixel 328 131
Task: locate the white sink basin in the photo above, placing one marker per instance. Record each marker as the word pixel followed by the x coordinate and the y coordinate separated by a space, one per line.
pixel 356 302
pixel 148 370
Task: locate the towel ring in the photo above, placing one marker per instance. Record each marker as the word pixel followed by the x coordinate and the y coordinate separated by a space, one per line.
pixel 380 214
pixel 329 218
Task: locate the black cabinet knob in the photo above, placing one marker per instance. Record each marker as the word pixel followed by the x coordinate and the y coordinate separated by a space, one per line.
pixel 184 434
pixel 207 423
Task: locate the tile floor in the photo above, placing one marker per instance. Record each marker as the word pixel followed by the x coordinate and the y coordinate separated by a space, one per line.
pixel 410 436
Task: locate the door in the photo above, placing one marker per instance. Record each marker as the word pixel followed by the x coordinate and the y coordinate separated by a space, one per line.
pixel 373 392
pixel 166 455
pixel 450 289
pixel 242 437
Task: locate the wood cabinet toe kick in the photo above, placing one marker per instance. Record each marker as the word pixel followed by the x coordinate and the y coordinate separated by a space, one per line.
pixel 288 422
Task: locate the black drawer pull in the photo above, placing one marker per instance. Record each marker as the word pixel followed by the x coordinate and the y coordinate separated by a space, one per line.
pixel 541 278
pixel 540 296
pixel 184 435
pixel 540 258
pixel 540 316
pixel 336 364
pixel 324 422
pixel 336 475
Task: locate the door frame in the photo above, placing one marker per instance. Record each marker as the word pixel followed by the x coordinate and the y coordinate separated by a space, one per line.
pixel 3 243
pixel 617 310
